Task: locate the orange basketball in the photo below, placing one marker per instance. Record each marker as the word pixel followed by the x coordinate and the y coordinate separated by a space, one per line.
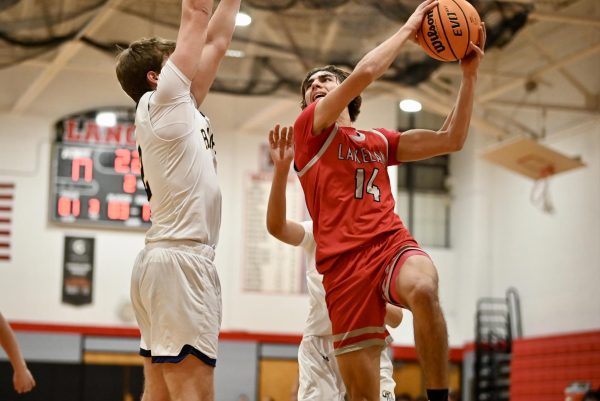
pixel 447 30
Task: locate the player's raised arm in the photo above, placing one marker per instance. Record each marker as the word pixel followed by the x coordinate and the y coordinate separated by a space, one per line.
pixel 218 39
pixel 281 143
pixel 195 15
pixel 368 69
pixel 419 144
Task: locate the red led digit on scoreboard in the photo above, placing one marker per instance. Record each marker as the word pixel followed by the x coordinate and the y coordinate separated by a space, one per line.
pixel 136 165
pixel 122 160
pixel 76 166
pixel 118 210
pixel 146 212
pixel 68 207
pixel 76 207
pixel 93 207
pixel 129 183
pixel 127 161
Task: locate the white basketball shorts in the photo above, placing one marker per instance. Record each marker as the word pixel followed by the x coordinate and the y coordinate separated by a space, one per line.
pixel 320 378
pixel 176 296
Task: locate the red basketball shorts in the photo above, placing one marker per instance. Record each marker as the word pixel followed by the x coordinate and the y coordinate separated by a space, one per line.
pixel 357 286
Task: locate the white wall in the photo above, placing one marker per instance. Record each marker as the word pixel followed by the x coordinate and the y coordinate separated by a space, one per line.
pixel 554 260
pixel 502 240
pixel 31 283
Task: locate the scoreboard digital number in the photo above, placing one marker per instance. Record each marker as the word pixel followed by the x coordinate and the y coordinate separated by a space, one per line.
pixel 96 174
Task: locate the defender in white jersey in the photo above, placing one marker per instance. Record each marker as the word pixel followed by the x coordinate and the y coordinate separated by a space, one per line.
pixel 320 378
pixel 175 288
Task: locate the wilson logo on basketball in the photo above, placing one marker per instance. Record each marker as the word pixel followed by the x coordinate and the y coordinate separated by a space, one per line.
pixel 432 34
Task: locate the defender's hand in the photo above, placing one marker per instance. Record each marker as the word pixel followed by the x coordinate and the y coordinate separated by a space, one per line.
pixel 281 141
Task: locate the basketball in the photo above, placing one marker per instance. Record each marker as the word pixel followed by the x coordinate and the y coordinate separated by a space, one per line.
pixel 447 30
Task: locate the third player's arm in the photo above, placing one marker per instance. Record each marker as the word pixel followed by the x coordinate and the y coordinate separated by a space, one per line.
pixel 282 154
pixel 218 39
pixel 369 68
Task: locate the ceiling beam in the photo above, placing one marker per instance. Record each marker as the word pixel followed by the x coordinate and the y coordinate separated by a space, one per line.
pixel 292 41
pixel 256 29
pixel 544 106
pixel 77 68
pixel 65 53
pixel 565 19
pixel 491 94
pixel 454 69
pixel 508 119
pixel 549 57
pixel 331 33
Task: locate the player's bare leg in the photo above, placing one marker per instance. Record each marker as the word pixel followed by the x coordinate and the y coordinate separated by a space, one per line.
pixel 417 287
pixel 360 371
pixel 189 380
pixel 155 388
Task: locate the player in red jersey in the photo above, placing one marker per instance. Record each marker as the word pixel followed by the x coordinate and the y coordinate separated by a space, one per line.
pixel 364 251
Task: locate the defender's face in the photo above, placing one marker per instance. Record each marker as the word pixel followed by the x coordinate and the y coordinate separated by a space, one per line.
pixel 318 85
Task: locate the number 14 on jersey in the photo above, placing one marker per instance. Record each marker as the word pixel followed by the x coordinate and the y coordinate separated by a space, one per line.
pixel 370 188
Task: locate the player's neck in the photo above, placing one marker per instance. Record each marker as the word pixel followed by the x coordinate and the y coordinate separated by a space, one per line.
pixel 344 120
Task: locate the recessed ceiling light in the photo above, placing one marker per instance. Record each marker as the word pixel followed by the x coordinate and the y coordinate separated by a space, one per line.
pixel 106 119
pixel 410 106
pixel 242 19
pixel 235 53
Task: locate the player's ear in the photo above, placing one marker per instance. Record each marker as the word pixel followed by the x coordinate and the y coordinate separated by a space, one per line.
pixel 152 78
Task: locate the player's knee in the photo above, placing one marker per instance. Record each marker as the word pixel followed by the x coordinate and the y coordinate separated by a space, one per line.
pixel 423 293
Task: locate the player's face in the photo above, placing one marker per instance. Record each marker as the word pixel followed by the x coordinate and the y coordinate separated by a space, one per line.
pixel 319 85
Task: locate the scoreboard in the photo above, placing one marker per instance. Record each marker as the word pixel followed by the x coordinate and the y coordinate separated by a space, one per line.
pixel 95 175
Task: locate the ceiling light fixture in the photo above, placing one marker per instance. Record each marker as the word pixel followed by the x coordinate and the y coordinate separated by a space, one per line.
pixel 235 53
pixel 242 19
pixel 106 119
pixel 410 106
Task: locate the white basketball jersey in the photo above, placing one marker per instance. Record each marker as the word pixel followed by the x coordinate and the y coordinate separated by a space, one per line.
pixel 317 322
pixel 179 165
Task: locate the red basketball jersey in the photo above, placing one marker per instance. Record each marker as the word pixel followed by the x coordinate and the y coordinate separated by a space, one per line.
pixel 343 172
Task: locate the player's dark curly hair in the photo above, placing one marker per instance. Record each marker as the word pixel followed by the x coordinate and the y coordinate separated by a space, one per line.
pixel 353 107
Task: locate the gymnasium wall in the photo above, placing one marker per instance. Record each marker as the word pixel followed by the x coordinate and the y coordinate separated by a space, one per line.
pixel 502 240
pixel 31 281
pixel 555 259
